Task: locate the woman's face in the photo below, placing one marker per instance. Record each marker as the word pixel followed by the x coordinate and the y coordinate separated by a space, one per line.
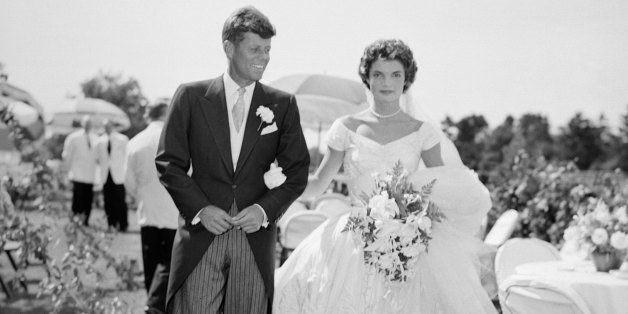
pixel 386 79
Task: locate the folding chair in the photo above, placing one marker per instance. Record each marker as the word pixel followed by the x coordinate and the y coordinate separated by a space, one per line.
pixel 503 228
pixel 297 228
pixel 333 207
pixel 8 248
pixel 294 208
pixel 522 294
pixel 327 196
pixel 515 252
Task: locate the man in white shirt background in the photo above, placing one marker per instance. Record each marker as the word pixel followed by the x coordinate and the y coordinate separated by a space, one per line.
pixel 80 158
pixel 156 211
pixel 112 151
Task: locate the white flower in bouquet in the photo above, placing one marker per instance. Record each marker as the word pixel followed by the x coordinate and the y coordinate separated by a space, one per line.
pixel 602 214
pixel 387 178
pixel 412 198
pixel 599 236
pixel 383 207
pixel 621 214
pixel 425 224
pixel 408 231
pixel 572 233
pixel 380 244
pixel 387 228
pixel 387 261
pixel 377 203
pixel 413 250
pixel 619 240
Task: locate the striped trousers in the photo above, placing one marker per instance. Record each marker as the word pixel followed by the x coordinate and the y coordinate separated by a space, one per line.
pixel 226 280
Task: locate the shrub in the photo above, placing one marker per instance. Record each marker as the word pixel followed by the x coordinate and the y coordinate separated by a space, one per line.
pixel 547 195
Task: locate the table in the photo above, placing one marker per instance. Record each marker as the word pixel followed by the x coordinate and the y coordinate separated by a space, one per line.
pixel 603 292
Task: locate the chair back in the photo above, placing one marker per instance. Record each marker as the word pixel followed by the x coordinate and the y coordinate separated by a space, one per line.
pixel 515 252
pixel 328 196
pixel 299 226
pixel 527 295
pixel 503 228
pixel 294 208
pixel 519 251
pixel 333 207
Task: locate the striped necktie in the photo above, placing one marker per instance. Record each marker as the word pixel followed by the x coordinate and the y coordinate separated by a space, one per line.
pixel 238 109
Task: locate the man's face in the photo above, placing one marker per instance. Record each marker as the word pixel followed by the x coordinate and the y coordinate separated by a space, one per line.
pixel 248 58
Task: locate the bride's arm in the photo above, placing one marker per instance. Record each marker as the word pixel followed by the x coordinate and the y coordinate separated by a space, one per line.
pixel 432 157
pixel 318 183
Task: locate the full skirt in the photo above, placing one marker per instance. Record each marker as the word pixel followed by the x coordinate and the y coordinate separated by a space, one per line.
pixel 327 274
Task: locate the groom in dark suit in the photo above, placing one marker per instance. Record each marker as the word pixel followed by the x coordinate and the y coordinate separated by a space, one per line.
pixel 229 130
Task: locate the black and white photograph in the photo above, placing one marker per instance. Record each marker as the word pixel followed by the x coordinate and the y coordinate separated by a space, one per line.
pixel 306 157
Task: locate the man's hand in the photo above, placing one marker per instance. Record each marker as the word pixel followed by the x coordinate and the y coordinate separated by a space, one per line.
pixel 249 219
pixel 215 220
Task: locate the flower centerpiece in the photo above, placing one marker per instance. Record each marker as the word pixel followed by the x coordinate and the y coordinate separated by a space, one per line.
pixel 395 225
pixel 603 231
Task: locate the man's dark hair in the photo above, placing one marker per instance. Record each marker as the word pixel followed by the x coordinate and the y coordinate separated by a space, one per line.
pixel 246 19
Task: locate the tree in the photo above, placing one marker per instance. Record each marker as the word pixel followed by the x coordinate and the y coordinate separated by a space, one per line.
pixel 532 135
pixel 580 141
pixel 125 93
pixel 449 128
pixel 611 145
pixel 470 139
pixel 496 142
pixel 623 148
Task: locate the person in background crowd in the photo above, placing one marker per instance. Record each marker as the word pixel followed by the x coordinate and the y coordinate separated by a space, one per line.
pixel 156 211
pixel 112 151
pixel 80 158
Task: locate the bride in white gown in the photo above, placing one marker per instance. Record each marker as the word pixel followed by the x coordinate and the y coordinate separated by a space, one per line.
pixel 326 273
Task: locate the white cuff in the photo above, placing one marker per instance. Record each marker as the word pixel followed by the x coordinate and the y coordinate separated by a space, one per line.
pixel 265 221
pixel 197 218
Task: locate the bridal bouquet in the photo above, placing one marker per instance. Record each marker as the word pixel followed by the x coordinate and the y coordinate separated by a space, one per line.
pixel 395 226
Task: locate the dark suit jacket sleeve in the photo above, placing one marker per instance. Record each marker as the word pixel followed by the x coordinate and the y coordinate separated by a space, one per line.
pixel 294 158
pixel 173 158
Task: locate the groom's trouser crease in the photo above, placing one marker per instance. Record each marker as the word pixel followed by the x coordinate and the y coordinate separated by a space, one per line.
pixel 225 280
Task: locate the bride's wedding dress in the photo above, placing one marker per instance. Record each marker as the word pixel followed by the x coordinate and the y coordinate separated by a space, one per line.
pixel 327 274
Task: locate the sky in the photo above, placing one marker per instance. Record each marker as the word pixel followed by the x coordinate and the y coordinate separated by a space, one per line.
pixel 488 57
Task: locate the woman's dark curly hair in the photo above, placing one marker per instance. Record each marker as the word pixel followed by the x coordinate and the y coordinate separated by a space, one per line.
pixel 388 49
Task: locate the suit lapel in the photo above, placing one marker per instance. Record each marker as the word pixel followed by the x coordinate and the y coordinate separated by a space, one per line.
pixel 214 107
pixel 251 133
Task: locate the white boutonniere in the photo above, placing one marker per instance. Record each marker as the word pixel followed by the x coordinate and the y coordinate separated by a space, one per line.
pixel 265 114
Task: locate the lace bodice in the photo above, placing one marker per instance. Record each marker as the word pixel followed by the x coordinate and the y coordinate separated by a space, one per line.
pixel 364 156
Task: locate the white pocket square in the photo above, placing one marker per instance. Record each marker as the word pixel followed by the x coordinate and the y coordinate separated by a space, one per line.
pixel 269 129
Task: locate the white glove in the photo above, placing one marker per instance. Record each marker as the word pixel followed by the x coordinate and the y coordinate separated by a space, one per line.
pixel 274 177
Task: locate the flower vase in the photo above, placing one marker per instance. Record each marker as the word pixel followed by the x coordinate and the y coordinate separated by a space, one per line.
pixel 606 261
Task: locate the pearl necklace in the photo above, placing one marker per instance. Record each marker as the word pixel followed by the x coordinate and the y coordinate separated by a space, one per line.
pixel 383 116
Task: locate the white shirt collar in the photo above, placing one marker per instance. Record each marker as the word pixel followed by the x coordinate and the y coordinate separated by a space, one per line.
pixel 231 89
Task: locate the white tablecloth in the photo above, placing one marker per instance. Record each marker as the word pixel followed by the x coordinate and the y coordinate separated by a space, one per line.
pixel 603 292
